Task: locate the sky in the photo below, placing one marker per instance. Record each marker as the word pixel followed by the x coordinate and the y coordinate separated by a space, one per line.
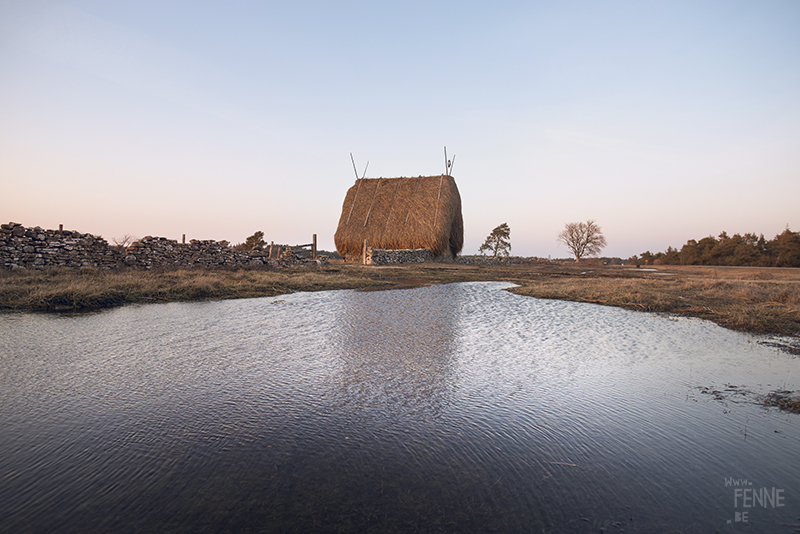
pixel 661 121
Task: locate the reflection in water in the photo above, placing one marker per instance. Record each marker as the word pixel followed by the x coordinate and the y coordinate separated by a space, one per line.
pixel 397 350
pixel 455 408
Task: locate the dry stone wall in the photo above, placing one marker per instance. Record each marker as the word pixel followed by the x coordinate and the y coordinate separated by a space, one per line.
pixel 161 252
pixel 379 256
pixel 503 260
pixel 36 248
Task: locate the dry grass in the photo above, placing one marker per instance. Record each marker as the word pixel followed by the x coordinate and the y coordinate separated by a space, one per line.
pixel 69 290
pixel 753 300
pixel 752 306
pixel 784 400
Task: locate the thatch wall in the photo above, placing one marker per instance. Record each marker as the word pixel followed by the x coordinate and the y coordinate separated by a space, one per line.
pixel 401 213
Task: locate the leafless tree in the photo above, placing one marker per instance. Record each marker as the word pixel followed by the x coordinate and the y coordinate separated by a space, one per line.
pixel 123 242
pixel 583 239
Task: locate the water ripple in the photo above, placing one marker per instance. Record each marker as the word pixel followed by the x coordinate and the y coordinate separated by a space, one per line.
pixel 457 408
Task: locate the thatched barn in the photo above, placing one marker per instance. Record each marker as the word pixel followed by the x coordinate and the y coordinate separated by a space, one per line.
pixel 401 213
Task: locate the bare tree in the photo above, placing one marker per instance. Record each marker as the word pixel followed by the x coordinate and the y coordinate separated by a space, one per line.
pixel 123 242
pixel 498 241
pixel 583 239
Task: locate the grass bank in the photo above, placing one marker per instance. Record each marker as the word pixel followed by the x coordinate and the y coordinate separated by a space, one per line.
pixel 59 290
pixel 753 300
pixel 747 299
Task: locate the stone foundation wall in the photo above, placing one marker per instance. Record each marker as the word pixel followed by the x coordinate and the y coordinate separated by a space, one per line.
pixel 36 248
pixel 379 256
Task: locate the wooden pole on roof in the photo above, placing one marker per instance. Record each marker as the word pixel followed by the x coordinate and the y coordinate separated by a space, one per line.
pixel 419 180
pixel 373 201
pixel 436 216
pixel 354 165
pixel 445 160
pixel 393 201
pixel 353 204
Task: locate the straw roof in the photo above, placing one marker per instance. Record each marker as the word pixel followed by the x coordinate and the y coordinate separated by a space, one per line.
pixel 401 213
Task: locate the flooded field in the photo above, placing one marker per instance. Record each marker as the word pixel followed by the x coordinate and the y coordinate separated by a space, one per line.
pixel 450 408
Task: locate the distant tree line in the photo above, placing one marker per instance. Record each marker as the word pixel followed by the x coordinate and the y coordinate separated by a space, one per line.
pixel 740 250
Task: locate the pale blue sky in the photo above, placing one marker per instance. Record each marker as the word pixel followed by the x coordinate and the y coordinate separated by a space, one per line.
pixel 663 121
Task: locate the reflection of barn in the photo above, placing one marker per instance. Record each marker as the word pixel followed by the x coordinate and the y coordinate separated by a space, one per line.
pixel 401 213
pixel 395 355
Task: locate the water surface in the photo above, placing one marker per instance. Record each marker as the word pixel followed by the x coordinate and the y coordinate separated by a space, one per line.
pixel 452 408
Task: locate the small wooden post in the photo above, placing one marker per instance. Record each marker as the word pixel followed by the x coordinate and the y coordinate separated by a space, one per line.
pixel 270 249
pixel 183 239
pixel 60 227
pixel 314 246
pixel 364 253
